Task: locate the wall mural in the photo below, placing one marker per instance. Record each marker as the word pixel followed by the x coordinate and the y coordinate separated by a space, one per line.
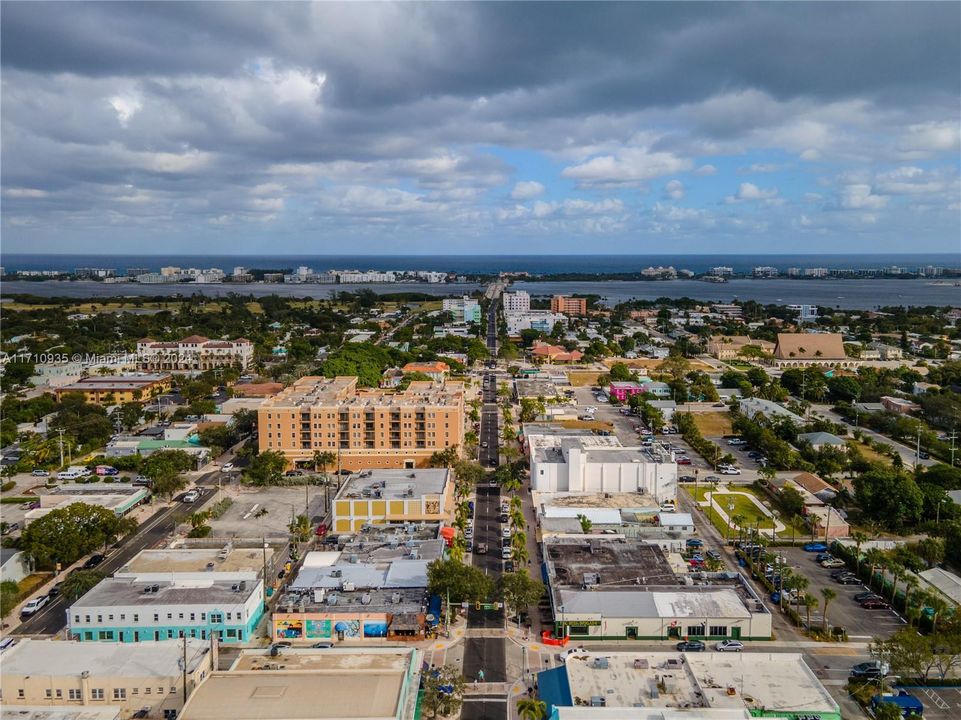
pixel 319 627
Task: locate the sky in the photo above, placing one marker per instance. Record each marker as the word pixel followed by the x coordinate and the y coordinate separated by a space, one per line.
pixel 460 128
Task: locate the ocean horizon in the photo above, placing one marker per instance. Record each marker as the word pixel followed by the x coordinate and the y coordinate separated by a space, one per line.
pixel 480 264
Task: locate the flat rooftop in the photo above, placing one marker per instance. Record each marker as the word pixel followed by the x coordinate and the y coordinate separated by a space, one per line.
pixel 306 685
pixel 534 387
pixel 98 488
pixel 198 560
pixel 145 659
pixel 755 681
pixel 126 592
pixel 343 391
pixel 614 500
pixel 60 712
pixel 608 564
pixel 395 484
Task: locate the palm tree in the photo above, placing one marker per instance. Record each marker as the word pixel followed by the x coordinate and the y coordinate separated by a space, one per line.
pixel 457 549
pixel 323 460
pixel 521 555
pixel 873 558
pixel 79 583
pixel 910 585
pixel 531 709
pixel 802 584
pixel 938 608
pixel 738 519
pixel 300 528
pixel 517 518
pixel 914 604
pixel 516 502
pixel 858 537
pixel 519 539
pixel 810 602
pixel 897 570
pixel 828 594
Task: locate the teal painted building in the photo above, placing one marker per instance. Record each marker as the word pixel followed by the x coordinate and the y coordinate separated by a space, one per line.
pixel 197 605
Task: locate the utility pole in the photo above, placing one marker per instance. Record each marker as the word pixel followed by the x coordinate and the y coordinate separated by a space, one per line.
pixel 183 634
pixel 263 541
pixel 60 432
pixel 917 450
pixel 952 437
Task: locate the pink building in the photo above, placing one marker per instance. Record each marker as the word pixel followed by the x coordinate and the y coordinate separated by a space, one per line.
pixel 621 390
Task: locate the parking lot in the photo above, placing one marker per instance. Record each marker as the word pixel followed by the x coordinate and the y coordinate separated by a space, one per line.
pixel 266 512
pixel 939 703
pixel 861 625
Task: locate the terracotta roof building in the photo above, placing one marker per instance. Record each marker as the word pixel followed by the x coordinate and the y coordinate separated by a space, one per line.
pixel 804 349
pixel 250 390
pixel 436 370
pixel 194 353
pixel 728 347
pixel 555 353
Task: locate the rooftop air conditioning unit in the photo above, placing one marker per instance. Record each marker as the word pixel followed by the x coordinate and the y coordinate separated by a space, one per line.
pixel 331 599
pixel 365 599
pixel 336 573
pixel 347 586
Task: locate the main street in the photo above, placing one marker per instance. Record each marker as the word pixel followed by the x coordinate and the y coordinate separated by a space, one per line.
pixel 485 655
pixel 158 527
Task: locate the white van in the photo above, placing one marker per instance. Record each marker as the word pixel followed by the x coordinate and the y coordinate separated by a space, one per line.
pixel 74 472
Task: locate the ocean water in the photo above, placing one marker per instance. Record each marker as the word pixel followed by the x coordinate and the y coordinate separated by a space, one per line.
pixel 478 264
pixel 864 294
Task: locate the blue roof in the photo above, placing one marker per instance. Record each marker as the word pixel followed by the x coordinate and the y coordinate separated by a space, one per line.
pixel 554 689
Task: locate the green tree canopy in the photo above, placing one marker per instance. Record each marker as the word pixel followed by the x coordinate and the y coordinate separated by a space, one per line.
pixel 65 535
pixel 458 582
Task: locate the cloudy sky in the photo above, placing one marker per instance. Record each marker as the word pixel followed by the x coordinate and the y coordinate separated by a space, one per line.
pixel 481 128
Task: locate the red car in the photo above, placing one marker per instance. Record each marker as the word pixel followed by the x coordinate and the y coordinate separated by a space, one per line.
pixel 684 460
pixel 874 605
pixel 321 530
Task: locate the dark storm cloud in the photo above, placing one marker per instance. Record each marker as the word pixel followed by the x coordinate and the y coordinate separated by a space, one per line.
pixel 252 112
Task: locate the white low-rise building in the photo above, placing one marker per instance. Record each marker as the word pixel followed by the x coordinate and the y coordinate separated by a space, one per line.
pixel 577 464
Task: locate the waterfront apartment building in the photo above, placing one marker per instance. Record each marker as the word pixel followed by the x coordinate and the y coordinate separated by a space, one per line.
pixel 569 305
pixel 194 353
pixel 365 428
pixel 116 389
pixel 464 309
pixel 516 302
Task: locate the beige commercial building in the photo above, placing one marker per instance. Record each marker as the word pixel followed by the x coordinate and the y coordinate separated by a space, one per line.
pixel 729 347
pixel 806 349
pixel 306 684
pixel 132 676
pixel 364 428
pixel 386 497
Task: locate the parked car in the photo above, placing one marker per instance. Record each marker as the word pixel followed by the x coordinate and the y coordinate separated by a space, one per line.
pixel 874 604
pixel 848 580
pixel 32 607
pixel 729 646
pixel 507 553
pixel 686 478
pixel 562 656
pixel 736 441
pixel 683 461
pixel 502 517
pixel 468 533
pixel 690 646
pixel 93 561
pixel 508 566
pixel 821 557
pixel 506 531
pixel 694 543
pixel 815 547
pixel 321 530
pixel 714 554
pixel 833 563
pixel 872 669
pixel 55 590
pixel 322 645
pixel 731 471
pixel 40 473
pixel 861 597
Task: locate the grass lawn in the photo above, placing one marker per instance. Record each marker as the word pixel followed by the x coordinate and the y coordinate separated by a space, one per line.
pixel 713 424
pixel 869 454
pixel 652 364
pixel 587 424
pixel 580 378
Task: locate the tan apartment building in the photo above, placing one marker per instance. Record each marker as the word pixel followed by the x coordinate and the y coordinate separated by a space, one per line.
pixel 569 305
pixel 365 428
pixel 132 676
pixel 729 347
pixel 194 353
pixel 116 389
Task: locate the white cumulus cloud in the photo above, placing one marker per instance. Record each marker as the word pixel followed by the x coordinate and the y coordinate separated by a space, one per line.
pixel 526 190
pixel 674 190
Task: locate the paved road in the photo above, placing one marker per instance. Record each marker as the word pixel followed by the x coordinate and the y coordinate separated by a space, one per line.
pixel 485 654
pixel 53 618
pixel 908 454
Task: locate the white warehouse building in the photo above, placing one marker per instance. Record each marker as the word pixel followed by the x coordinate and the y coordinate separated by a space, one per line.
pixel 575 465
